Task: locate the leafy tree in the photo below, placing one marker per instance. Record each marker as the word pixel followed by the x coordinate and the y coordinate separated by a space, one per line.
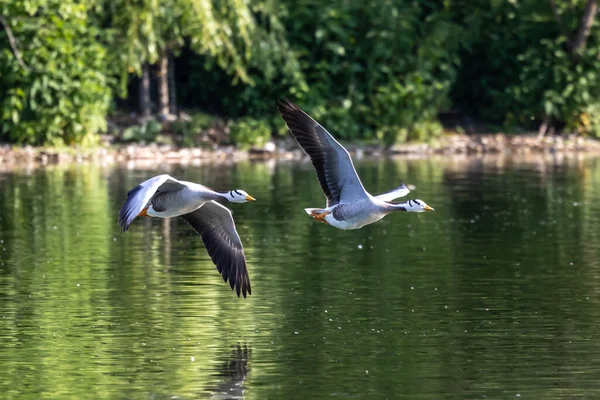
pixel 530 63
pixel 150 30
pixel 54 84
pixel 365 70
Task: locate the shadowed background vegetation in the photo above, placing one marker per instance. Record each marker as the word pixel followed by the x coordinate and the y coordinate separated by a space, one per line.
pixel 386 70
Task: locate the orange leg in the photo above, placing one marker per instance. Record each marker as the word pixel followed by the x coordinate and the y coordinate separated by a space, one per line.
pixel 321 217
pixel 144 213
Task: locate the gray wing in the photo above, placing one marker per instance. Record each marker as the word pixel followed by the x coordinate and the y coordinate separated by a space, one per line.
pixel 333 164
pixel 215 225
pixel 139 196
pixel 400 191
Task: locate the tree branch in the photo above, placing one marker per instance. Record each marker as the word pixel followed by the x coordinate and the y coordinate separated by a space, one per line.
pixel 13 43
pixel 591 8
pixel 544 127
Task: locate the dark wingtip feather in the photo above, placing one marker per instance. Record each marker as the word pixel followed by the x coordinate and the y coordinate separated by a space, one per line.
pixel 285 106
pixel 232 267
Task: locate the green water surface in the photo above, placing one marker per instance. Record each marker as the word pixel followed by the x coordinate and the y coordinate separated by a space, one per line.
pixel 496 294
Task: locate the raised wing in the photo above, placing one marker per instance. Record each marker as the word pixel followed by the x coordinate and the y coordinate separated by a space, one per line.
pixel 139 196
pixel 400 191
pixel 333 164
pixel 215 225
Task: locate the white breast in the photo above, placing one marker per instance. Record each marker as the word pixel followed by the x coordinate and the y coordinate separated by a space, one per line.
pixel 354 223
pixel 344 225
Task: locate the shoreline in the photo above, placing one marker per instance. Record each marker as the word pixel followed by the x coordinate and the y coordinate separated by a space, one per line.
pixel 286 149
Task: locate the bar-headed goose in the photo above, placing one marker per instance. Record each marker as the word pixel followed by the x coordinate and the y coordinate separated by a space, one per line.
pixel 164 196
pixel 349 205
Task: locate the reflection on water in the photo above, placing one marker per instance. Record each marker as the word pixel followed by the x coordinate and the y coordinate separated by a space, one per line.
pixel 233 372
pixel 495 294
pixel 231 375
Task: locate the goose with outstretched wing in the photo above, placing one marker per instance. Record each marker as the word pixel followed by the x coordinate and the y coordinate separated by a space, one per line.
pixel 349 205
pixel 164 196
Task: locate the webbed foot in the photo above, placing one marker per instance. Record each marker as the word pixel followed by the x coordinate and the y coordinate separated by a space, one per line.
pixel 320 216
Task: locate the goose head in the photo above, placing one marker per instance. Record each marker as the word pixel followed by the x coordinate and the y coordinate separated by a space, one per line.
pixel 416 206
pixel 239 196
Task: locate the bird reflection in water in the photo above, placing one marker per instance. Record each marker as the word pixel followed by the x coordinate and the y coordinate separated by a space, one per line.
pixel 233 372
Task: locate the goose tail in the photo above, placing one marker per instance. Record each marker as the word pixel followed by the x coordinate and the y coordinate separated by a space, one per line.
pixel 312 211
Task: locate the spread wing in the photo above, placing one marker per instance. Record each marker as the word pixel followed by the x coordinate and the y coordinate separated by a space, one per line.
pixel 333 164
pixel 139 196
pixel 214 223
pixel 400 191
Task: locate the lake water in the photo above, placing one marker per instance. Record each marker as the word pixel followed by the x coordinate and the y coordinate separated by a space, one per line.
pixel 496 294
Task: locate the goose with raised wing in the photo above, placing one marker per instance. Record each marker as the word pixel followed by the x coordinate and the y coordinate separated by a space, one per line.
pixel 349 205
pixel 164 196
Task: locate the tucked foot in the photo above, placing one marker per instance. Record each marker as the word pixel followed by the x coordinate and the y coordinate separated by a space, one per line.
pixel 320 216
pixel 144 212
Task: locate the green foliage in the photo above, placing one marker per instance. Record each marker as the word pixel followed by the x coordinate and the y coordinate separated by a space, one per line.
pixel 587 123
pixel 145 132
pixel 145 30
pixel 63 93
pixel 192 130
pixel 366 70
pixel 528 68
pixel 247 132
pixel 363 70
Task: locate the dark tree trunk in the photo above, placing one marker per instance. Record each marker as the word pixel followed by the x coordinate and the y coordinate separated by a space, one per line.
pixel 172 85
pixel 163 86
pixel 144 92
pixel 591 8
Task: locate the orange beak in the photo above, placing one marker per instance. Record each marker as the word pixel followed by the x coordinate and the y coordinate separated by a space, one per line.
pixel 250 198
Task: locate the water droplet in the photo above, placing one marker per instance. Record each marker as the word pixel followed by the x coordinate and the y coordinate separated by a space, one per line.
pixel 295 333
pixel 192 358
pixel 360 246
